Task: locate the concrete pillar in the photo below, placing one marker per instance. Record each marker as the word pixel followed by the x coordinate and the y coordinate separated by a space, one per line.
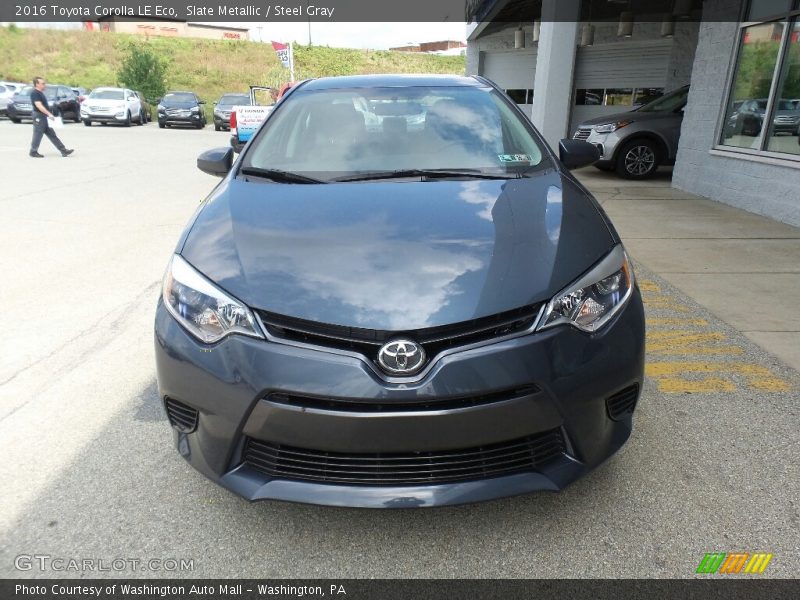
pixel 555 65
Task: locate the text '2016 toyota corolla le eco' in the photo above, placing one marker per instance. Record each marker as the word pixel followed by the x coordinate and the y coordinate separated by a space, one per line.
pixel 398 296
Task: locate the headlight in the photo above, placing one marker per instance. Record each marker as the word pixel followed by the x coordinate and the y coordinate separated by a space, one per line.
pixel 611 127
pixel 591 301
pixel 195 109
pixel 161 108
pixel 205 311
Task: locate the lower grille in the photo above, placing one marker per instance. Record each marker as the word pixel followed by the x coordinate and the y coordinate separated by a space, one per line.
pixel 413 468
pixel 622 404
pixel 181 417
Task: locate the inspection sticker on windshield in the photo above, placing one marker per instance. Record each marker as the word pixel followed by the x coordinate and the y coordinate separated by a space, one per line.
pixel 508 158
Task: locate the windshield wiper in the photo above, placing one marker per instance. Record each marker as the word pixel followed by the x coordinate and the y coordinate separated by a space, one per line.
pixel 425 173
pixel 278 175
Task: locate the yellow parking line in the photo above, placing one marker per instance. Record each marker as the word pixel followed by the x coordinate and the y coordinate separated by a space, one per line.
pixel 659 321
pixel 719 376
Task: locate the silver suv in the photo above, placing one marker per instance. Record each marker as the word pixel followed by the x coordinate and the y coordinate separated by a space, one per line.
pixel 636 142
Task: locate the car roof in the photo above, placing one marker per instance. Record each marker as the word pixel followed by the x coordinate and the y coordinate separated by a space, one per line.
pixel 368 81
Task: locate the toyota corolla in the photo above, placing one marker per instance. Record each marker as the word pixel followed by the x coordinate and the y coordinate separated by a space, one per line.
pixel 398 296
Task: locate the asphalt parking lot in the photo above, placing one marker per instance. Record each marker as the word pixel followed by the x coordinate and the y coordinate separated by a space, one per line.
pixel 89 470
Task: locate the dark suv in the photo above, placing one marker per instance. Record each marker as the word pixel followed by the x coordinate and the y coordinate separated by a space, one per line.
pixel 636 143
pixel 62 101
pixel 181 108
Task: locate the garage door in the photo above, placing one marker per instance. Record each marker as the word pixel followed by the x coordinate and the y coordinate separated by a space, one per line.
pixel 611 78
pixel 512 71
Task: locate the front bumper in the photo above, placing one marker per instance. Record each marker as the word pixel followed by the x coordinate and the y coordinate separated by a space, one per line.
pixel 15 112
pixel 222 121
pixel 104 117
pixel 193 119
pixel 567 377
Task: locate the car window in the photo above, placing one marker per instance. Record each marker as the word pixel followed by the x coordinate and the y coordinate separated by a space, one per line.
pixel 180 97
pixel 107 95
pixel 328 133
pixel 672 101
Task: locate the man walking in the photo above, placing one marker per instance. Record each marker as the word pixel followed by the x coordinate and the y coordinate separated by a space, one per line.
pixel 41 114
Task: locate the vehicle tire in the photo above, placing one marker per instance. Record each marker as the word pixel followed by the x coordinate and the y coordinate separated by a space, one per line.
pixel 200 125
pixel 127 121
pixel 604 167
pixel 77 118
pixel 161 125
pixel 103 123
pixel 140 118
pixel 638 159
pixel 13 120
pixel 88 123
pixel 217 127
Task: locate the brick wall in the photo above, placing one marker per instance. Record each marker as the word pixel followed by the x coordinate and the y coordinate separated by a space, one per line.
pixel 766 189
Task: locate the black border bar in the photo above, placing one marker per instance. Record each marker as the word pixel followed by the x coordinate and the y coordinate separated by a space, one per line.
pixel 712 588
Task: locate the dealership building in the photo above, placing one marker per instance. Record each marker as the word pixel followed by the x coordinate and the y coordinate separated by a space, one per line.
pixel 564 61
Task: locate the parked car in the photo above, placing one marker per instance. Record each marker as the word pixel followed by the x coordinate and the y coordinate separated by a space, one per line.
pixel 181 108
pixel 62 101
pixel 222 109
pixel 81 93
pixel 147 109
pixel 112 105
pixel 749 118
pixel 5 98
pixel 637 142
pixel 394 317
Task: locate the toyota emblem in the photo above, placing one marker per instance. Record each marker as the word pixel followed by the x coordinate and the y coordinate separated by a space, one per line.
pixel 401 357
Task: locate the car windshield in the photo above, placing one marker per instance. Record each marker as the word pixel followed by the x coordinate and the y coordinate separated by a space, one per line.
pixel 362 132
pixel 179 97
pixel 234 100
pixel 786 105
pixel 107 95
pixel 671 101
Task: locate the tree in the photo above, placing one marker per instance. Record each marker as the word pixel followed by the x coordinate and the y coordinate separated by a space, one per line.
pixel 144 71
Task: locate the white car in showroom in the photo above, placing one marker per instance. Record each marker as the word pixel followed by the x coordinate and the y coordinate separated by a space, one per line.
pixel 112 105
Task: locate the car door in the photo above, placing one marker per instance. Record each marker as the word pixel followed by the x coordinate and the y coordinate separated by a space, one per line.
pixel 134 106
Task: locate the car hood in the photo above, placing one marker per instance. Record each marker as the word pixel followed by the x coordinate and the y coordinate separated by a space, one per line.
pixel 103 102
pixel 631 115
pixel 397 255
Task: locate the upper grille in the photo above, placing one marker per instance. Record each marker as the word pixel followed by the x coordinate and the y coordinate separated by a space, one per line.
pixel 415 404
pixel 621 404
pixel 582 134
pixel 412 468
pixel 181 417
pixel 368 341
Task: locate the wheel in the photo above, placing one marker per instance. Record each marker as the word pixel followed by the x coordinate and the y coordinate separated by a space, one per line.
pixel 604 167
pixel 14 120
pixel 140 120
pixel 161 125
pixel 217 127
pixel 103 123
pixel 77 117
pixel 127 121
pixel 637 159
pixel 88 123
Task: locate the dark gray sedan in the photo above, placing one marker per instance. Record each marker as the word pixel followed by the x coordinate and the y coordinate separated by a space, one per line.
pixel 379 309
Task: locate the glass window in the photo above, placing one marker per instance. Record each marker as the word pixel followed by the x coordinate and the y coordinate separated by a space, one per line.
pixel 755 68
pixel 619 97
pixel 645 95
pixel 785 123
pixel 328 134
pixel 109 94
pixel 589 97
pixel 762 9
pixel 517 96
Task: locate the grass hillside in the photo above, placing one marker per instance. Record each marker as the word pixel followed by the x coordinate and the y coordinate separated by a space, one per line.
pixel 208 67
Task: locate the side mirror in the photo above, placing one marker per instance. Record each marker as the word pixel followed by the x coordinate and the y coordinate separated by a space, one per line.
pixel 216 162
pixel 201 101
pixel 577 153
